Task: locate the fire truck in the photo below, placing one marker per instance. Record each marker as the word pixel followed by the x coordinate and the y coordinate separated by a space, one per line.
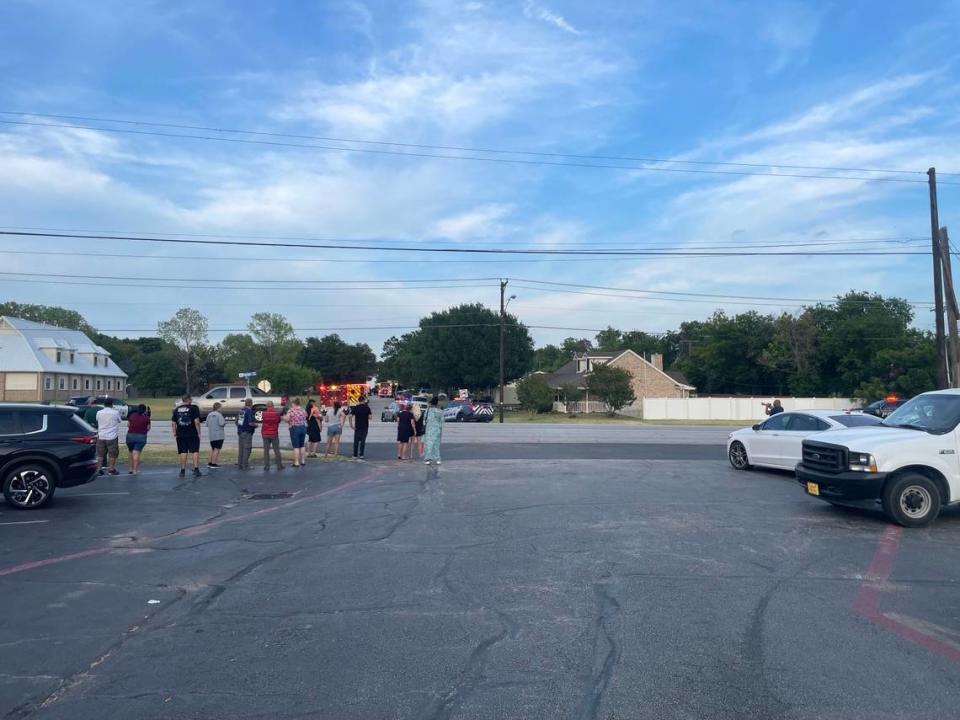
pixel 346 394
pixel 385 389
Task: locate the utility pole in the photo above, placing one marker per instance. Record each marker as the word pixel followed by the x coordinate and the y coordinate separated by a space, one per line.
pixel 937 282
pixel 953 310
pixel 503 320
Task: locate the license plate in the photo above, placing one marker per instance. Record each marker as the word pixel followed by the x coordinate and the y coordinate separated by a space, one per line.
pixel 813 488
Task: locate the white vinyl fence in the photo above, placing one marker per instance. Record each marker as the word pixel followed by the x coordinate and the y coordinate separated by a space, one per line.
pixel 733 408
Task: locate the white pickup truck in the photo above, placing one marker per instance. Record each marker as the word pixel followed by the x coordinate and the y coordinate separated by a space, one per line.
pixel 910 463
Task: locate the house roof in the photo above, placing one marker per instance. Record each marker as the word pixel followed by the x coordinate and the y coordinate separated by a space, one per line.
pixel 568 375
pixel 22 344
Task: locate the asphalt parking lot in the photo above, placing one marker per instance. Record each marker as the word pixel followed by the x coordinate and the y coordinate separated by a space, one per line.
pixel 653 583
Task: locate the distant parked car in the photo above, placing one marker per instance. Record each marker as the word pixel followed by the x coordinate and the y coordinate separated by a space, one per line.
pixel 777 441
pixel 883 408
pixel 390 412
pixel 467 411
pixel 43 447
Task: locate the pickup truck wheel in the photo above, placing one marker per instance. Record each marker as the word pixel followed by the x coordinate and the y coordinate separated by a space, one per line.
pixel 258 415
pixel 738 456
pixel 29 486
pixel 911 500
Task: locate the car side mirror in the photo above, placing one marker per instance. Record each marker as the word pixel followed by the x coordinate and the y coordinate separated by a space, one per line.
pixel 756 428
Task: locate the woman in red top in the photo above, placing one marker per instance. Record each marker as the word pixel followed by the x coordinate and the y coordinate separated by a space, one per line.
pixel 138 425
pixel 270 432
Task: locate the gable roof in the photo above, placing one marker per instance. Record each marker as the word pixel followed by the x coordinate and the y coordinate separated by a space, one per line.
pixel 22 344
pixel 653 367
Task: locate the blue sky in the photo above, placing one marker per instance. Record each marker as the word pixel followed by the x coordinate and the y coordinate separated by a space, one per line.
pixel 841 84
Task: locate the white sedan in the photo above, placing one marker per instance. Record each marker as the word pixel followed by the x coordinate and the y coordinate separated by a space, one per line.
pixel 776 442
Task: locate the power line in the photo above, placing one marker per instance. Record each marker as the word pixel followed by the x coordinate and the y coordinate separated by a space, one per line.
pixel 455 148
pixel 902 240
pixel 201 287
pixel 449 250
pixel 689 294
pixel 376 283
pixel 469 158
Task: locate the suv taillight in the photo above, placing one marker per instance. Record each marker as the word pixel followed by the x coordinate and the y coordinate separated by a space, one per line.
pixel 84 439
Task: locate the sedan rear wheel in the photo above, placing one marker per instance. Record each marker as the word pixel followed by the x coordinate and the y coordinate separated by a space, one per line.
pixel 29 486
pixel 738 456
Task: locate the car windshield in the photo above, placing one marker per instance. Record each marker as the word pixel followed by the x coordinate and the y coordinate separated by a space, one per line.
pixel 936 413
pixel 856 420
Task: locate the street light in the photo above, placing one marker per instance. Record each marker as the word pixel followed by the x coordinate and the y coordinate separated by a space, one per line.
pixel 503 319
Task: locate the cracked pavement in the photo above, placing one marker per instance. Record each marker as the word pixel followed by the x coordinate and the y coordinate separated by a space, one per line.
pixel 638 587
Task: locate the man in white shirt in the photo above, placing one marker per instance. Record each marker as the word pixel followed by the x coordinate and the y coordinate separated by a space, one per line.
pixel 108 436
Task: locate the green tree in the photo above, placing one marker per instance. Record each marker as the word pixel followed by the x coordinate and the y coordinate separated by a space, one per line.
pixel 793 352
pixel 47 314
pixel 459 347
pixel 612 386
pixel 186 332
pixel 609 339
pixel 575 345
pixel 275 336
pixel 337 361
pixel 399 360
pixel 156 374
pixel 288 378
pixel 535 394
pixel 571 394
pixel 239 353
pixel 549 358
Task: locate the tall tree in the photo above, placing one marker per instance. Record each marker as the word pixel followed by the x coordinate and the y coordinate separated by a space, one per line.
pixel 275 336
pixel 338 361
pixel 549 358
pixel 47 314
pixel 459 347
pixel 575 345
pixel 239 353
pixel 186 331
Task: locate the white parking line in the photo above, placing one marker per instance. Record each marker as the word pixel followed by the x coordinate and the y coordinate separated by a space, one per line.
pixel 25 522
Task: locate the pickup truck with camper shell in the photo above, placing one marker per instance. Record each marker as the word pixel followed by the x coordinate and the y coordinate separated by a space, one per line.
pixel 909 463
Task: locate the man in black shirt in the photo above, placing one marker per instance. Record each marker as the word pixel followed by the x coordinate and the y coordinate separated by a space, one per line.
pixel 360 424
pixel 775 409
pixel 186 428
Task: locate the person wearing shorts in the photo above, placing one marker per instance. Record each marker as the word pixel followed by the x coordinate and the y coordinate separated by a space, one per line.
pixel 185 423
pixel 297 420
pixel 108 436
pixel 216 423
pixel 334 420
pixel 138 425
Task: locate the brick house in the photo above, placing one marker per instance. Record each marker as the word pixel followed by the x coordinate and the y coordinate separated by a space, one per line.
pixel 649 379
pixel 45 363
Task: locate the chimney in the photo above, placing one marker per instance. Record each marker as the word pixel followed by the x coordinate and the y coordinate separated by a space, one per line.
pixel 656 359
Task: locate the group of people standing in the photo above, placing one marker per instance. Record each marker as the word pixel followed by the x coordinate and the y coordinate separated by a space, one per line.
pixel 306 431
pixel 420 430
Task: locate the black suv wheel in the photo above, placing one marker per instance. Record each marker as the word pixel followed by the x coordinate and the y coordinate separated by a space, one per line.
pixel 29 485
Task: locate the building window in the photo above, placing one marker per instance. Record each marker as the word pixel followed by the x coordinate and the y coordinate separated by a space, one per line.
pixel 119 384
pixel 63 383
pixel 76 384
pixel 48 383
pixel 71 358
pixel 106 361
pixel 99 384
pixel 59 356
pixel 109 384
pixel 86 384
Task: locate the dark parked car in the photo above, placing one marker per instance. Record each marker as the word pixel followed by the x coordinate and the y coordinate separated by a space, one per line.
pixel 80 402
pixel 467 411
pixel 390 412
pixel 882 408
pixel 43 447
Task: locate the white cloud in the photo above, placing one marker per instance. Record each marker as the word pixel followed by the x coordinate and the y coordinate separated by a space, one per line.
pixel 480 222
pixel 789 28
pixel 536 11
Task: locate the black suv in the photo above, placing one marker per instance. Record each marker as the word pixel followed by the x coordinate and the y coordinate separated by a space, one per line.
pixel 43 447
